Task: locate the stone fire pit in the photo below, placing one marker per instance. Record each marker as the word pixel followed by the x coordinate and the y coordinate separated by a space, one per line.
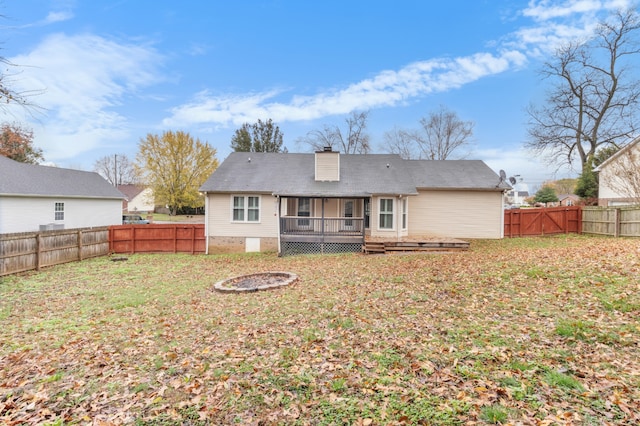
pixel 255 282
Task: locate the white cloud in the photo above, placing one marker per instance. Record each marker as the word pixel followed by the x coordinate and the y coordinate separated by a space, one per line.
pixel 553 24
pixel 82 78
pixel 388 88
pixel 57 17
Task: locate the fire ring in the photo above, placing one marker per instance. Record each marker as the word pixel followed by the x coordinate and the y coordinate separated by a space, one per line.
pixel 255 282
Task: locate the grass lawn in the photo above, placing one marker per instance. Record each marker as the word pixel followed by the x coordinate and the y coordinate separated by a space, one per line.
pixel 539 331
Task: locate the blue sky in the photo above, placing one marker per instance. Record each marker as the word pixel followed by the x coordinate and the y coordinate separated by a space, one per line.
pixel 110 72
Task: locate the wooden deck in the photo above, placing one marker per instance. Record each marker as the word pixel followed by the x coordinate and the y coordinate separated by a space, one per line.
pixel 428 244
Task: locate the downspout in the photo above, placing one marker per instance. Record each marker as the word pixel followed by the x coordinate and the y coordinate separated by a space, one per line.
pixel 399 218
pixel 322 200
pixel 279 203
pixel 504 193
pixel 206 223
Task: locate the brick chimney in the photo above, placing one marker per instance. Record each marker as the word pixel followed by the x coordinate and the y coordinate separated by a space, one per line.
pixel 327 165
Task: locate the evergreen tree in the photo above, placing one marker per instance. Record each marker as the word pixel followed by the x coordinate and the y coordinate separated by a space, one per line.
pixel 587 187
pixel 545 195
pixel 263 136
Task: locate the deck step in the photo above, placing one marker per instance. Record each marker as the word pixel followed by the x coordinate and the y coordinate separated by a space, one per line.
pixel 373 247
pixel 413 246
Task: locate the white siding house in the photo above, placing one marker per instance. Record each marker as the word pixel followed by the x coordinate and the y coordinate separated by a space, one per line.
pixel 295 202
pixel 139 198
pixel 34 197
pixel 619 177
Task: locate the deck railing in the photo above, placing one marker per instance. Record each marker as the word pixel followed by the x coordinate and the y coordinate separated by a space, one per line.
pixel 343 226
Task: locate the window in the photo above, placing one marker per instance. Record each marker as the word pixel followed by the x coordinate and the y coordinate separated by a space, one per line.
pixel 348 212
pixel 246 209
pixel 59 211
pixel 304 210
pixel 367 212
pixel 238 209
pixel 404 213
pixel 386 213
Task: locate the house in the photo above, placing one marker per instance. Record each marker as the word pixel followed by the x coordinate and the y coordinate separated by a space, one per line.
pixel 619 177
pixel 35 197
pixel 139 198
pixel 327 201
pixel 567 200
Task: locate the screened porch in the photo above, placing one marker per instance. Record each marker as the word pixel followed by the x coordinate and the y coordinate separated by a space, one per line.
pixel 322 225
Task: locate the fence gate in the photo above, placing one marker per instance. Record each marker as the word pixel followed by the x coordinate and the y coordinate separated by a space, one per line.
pixel 542 221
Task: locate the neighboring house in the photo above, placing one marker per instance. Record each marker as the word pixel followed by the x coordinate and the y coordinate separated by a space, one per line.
pixel 567 200
pixel 139 198
pixel 619 177
pixel 515 198
pixel 34 197
pixel 330 202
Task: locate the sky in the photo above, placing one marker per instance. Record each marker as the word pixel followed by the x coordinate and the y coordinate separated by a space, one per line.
pixel 104 74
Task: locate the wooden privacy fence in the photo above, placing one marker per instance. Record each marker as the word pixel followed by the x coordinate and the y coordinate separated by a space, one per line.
pixel 27 251
pixel 157 238
pixel 554 220
pixel 612 221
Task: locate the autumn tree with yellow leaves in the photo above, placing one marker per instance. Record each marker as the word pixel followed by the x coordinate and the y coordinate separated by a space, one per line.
pixel 175 165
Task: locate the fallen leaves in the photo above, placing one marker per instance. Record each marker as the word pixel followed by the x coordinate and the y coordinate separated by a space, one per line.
pixel 543 331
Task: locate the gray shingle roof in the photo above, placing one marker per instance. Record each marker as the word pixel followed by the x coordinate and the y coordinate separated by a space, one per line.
pixel 454 174
pixel 361 175
pixel 36 180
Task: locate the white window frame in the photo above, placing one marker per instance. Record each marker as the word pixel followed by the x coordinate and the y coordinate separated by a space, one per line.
pixel 386 213
pixel 246 208
pixel 58 211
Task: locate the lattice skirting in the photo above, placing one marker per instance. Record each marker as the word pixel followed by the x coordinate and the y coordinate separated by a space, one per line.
pixel 293 248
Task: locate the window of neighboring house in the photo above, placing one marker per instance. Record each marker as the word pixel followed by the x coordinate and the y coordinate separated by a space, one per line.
pixel 386 213
pixel 304 210
pixel 59 211
pixel 246 208
pixel 404 213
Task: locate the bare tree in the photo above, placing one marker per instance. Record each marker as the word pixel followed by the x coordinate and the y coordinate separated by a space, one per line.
pixel 399 141
pixel 354 140
pixel 116 169
pixel 595 97
pixel 441 134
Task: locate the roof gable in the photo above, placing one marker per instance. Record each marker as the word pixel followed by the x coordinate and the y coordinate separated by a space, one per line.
pixel 35 180
pixel 131 191
pixel 610 160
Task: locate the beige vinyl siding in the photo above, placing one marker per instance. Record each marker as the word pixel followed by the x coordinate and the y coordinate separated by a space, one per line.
pixel 143 202
pixel 457 214
pixel 220 224
pixel 374 220
pixel 328 166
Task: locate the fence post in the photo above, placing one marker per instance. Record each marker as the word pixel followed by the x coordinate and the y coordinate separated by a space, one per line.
pixel 193 239
pixel 616 232
pixel 80 244
pixel 38 252
pixel 579 217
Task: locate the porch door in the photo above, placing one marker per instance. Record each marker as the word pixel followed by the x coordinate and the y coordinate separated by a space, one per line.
pixel 347 212
pixel 304 210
